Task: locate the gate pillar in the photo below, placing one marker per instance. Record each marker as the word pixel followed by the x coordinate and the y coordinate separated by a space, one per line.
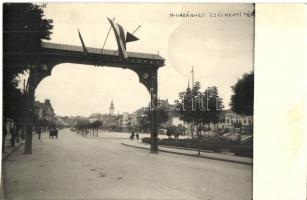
pixel 149 78
pixel 36 74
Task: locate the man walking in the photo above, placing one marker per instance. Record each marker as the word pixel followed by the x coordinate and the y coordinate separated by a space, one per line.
pixel 39 132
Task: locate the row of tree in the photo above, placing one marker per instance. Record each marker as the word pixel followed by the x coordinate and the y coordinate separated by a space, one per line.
pixel 24 28
pixel 199 108
pixel 84 126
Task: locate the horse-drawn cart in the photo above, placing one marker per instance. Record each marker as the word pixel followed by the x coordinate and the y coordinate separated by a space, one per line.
pixel 53 133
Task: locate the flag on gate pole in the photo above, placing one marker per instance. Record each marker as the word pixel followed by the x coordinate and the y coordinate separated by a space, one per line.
pixel 82 42
pixel 120 40
pixel 131 38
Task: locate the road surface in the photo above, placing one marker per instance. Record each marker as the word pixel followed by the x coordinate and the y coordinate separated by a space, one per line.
pixel 76 167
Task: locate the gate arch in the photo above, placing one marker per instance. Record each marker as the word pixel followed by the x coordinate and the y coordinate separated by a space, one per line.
pixel 51 54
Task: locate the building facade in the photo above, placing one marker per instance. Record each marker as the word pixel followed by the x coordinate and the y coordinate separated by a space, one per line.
pixel 44 111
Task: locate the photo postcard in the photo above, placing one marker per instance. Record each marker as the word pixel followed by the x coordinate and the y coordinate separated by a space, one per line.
pixel 128 101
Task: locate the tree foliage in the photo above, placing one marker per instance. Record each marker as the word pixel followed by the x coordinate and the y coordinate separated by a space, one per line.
pixel 96 124
pixel 163 114
pixel 172 130
pixel 242 100
pixel 200 107
pixel 24 27
pixel 82 123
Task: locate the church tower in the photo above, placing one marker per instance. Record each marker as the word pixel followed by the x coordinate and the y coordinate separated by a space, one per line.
pixel 111 109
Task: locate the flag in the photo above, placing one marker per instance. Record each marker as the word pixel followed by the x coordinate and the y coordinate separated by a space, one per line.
pixel 122 34
pixel 119 35
pixel 82 42
pixel 131 38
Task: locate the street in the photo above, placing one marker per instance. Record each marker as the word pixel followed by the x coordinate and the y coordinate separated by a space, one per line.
pixel 77 167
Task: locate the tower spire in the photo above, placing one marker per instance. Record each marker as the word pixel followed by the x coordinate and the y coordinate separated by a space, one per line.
pixel 111 109
pixel 192 71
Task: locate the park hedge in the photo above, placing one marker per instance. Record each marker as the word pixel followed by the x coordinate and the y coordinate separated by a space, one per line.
pixel 212 143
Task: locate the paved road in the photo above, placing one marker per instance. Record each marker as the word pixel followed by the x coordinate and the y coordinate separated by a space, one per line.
pixel 76 167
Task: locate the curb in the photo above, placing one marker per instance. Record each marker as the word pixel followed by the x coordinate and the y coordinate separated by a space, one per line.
pixel 196 156
pixel 16 147
pixel 182 148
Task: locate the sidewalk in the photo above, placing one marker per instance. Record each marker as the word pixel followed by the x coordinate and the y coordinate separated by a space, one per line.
pixel 193 153
pixel 8 151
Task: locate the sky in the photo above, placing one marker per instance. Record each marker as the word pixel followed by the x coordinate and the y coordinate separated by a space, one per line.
pixel 219 47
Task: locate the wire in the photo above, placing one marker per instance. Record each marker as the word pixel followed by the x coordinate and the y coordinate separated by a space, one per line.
pixel 106 38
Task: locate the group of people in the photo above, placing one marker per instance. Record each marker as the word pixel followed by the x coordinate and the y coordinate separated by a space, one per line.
pixel 136 135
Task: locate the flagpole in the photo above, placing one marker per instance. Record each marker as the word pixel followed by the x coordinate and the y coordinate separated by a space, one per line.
pixel 192 76
pixel 136 29
pixel 82 42
pixel 106 37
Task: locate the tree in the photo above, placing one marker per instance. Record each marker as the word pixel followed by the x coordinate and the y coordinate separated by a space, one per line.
pixel 213 105
pixel 187 104
pixel 24 27
pixel 162 111
pixel 242 100
pixel 198 108
pixel 82 125
pixel 13 101
pixel 95 125
pixel 172 130
pixel 144 123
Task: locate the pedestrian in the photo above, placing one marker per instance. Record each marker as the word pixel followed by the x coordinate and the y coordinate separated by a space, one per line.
pixel 137 137
pixel 132 134
pixel 39 132
pixel 13 134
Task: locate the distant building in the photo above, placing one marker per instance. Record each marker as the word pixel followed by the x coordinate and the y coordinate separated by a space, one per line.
pixel 109 121
pixel 44 111
pixel 125 121
pixel 111 109
pixel 112 122
pixel 139 116
pixel 95 117
pixel 235 123
pixel 65 121
pixel 139 119
pixel 231 122
pixel 173 115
